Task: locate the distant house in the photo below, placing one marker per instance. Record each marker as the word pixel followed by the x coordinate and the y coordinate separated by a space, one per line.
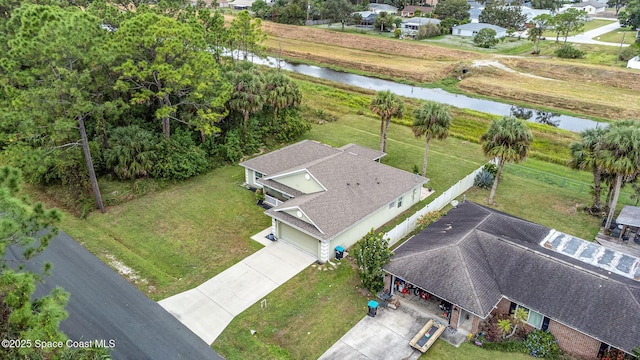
pixel 368 17
pixel 471 29
pixel 487 263
pixel 410 10
pixel 241 4
pixel 411 26
pixel 378 8
pixel 324 197
pixel 590 6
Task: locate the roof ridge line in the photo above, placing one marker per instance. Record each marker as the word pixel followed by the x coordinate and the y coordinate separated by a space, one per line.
pixel 466 271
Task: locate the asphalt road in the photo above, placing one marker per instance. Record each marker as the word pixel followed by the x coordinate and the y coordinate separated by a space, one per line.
pixel 105 306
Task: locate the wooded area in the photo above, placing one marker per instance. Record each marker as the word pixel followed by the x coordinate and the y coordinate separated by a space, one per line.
pixel 162 91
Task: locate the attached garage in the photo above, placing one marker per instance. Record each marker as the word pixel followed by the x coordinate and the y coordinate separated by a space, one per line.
pixel 298 239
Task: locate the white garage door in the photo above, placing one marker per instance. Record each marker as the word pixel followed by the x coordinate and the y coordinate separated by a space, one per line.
pixel 298 239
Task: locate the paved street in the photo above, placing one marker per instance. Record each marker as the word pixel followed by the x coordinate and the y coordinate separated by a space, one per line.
pixel 210 307
pixel 105 306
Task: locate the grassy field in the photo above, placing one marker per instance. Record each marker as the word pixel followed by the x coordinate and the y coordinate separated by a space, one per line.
pixel 589 25
pixel 616 36
pixel 179 237
pixel 583 85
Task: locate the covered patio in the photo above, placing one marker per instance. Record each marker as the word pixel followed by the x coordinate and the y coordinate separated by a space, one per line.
pixel 625 232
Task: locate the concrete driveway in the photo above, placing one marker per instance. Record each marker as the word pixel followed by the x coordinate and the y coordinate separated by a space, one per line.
pixel 383 337
pixel 591 36
pixel 210 307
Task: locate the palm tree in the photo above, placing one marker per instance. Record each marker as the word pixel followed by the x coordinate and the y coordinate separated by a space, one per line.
pixel 386 105
pixel 280 92
pixel 432 121
pixel 583 157
pixel 246 93
pixel 534 35
pixel 619 155
pixel 507 139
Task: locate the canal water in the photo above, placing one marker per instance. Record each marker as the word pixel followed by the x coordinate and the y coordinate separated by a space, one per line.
pixel 460 101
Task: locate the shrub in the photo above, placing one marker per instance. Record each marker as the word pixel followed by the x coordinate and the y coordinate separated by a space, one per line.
pixel 485 38
pixel 429 31
pixel 491 167
pixel 484 179
pixel 397 33
pixel 291 125
pixel 428 218
pixel 542 344
pixel 627 53
pixel 569 52
pixel 132 152
pixel 180 158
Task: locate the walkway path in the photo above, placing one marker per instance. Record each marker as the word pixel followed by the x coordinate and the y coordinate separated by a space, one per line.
pixel 587 37
pixel 209 308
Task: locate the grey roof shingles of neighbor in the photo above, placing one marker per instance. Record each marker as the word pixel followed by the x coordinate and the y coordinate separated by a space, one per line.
pixel 356 187
pixel 475 256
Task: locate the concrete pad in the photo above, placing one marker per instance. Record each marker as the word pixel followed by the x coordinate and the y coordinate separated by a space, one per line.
pixel 209 308
pixel 261 237
pixel 383 337
pixel 202 316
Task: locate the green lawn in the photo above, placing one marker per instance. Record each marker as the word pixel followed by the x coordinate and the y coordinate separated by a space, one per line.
pixel 589 25
pixel 177 238
pixel 616 36
pixel 443 351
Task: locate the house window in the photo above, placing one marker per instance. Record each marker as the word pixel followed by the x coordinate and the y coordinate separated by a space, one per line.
pixel 533 318
pixel 400 202
pixel 392 205
pixel 257 175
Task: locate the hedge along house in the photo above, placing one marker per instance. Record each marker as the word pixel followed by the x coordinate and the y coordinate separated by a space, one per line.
pixel 486 263
pixel 324 197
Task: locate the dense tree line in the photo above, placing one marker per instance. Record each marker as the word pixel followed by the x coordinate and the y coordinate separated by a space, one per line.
pixel 97 91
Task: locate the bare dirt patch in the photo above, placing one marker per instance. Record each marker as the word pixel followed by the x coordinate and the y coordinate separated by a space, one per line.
pixel 125 271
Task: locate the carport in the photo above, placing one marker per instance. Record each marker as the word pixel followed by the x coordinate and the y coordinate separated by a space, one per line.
pixel 629 218
pixel 438 308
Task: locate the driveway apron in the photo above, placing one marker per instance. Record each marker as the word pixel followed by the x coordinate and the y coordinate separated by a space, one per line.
pixel 209 308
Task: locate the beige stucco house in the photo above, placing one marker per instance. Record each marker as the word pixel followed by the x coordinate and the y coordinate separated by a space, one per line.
pixel 324 197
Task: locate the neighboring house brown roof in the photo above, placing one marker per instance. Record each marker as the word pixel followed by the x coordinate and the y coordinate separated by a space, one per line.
pixel 363 151
pixel 356 187
pixel 475 256
pixel 412 9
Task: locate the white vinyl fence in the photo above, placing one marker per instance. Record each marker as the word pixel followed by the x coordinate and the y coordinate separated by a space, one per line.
pixel 403 229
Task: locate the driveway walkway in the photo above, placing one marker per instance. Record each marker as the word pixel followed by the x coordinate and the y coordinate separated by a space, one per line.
pixel 383 337
pixel 210 307
pixel 588 37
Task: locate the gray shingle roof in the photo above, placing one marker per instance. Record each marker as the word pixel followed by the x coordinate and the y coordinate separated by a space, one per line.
pixel 594 3
pixel 363 151
pixel 356 187
pixel 289 157
pixel 475 256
